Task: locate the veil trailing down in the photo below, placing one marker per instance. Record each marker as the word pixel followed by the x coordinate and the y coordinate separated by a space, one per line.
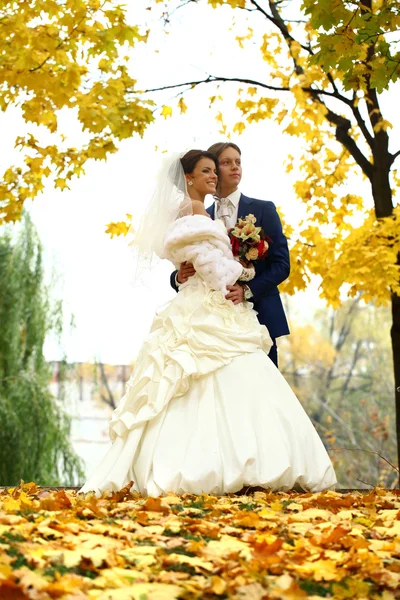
pixel 205 409
pixel 169 202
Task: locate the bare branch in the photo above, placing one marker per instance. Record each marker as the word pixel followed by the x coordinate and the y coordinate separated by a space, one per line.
pixel 104 379
pixel 315 92
pixel 214 79
pixel 339 419
pixel 350 373
pixel 108 401
pixel 395 155
pixel 371 452
pixel 365 482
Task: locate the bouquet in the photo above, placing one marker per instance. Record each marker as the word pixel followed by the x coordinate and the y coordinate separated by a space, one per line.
pixel 249 243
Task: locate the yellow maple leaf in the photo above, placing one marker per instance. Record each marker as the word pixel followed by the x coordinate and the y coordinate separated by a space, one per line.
pixel 218 585
pixel 119 227
pixel 320 570
pixel 182 106
pixel 239 127
pixel 382 125
pixel 351 588
pixel 11 505
pixel 193 561
pixel 226 545
pixel 61 183
pixel 139 591
pixel 166 112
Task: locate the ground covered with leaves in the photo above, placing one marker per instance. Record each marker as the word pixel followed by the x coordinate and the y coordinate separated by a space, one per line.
pixel 59 544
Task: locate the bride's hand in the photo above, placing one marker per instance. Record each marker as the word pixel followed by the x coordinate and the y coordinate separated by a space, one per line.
pixel 186 270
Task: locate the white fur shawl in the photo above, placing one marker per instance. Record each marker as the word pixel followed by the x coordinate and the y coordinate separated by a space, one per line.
pixel 205 243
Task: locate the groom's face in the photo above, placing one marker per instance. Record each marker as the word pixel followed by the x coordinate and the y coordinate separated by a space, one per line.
pixel 230 168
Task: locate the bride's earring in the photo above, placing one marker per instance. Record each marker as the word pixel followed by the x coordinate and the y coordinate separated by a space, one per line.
pixel 190 182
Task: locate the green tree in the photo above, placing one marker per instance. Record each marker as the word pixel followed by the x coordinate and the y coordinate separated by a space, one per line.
pixel 34 432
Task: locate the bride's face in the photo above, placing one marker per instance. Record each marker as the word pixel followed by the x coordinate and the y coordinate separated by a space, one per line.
pixel 204 177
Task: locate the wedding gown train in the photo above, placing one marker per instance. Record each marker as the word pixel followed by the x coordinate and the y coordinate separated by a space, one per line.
pixel 205 409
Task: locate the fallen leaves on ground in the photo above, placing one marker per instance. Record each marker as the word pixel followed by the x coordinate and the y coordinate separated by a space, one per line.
pixel 69 546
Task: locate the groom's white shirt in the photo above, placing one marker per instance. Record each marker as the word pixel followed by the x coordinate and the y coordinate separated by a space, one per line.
pixel 233 208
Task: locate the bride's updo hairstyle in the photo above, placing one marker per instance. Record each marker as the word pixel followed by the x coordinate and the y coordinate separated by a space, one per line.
pixel 191 158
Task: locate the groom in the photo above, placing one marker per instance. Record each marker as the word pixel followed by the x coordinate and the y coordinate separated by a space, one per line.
pixel 230 204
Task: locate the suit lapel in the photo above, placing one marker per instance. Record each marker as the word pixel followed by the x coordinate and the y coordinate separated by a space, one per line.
pixel 243 208
pixel 211 210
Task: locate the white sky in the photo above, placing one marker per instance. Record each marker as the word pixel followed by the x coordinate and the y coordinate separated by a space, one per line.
pixel 95 273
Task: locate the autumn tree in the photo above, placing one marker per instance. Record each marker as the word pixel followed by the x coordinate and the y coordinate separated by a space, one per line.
pixel 338 363
pixel 34 432
pixel 326 65
pixel 65 59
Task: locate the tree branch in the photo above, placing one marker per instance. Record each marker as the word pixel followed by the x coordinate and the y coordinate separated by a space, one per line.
pixel 365 482
pixel 281 25
pixel 374 109
pixel 361 123
pixel 315 92
pixel 277 20
pixel 110 399
pixel 339 419
pixel 343 126
pixel 395 155
pixel 61 43
pixel 394 70
pixel 214 79
pixel 370 452
pixel 354 361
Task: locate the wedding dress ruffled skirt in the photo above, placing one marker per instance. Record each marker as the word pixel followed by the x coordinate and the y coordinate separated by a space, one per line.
pixel 207 411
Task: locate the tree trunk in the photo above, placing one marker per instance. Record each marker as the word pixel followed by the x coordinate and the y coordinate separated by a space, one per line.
pixel 380 180
pixel 395 334
pixel 383 200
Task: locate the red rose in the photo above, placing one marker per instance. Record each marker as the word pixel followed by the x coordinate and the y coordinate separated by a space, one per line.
pixel 260 248
pixel 235 246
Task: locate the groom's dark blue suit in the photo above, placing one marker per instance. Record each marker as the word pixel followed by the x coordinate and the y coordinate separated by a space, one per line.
pixel 269 272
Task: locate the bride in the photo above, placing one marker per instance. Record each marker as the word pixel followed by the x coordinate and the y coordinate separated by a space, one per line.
pixel 205 409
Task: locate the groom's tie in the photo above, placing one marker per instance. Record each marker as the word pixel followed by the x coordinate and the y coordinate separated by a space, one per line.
pixel 224 210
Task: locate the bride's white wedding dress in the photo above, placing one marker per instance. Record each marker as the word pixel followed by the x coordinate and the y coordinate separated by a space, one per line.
pixel 206 410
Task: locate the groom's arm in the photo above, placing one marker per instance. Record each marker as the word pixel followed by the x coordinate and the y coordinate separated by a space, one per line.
pixel 186 270
pixel 278 267
pixel 173 281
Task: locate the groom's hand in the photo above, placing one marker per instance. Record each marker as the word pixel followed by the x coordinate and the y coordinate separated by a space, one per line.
pixel 186 270
pixel 235 293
